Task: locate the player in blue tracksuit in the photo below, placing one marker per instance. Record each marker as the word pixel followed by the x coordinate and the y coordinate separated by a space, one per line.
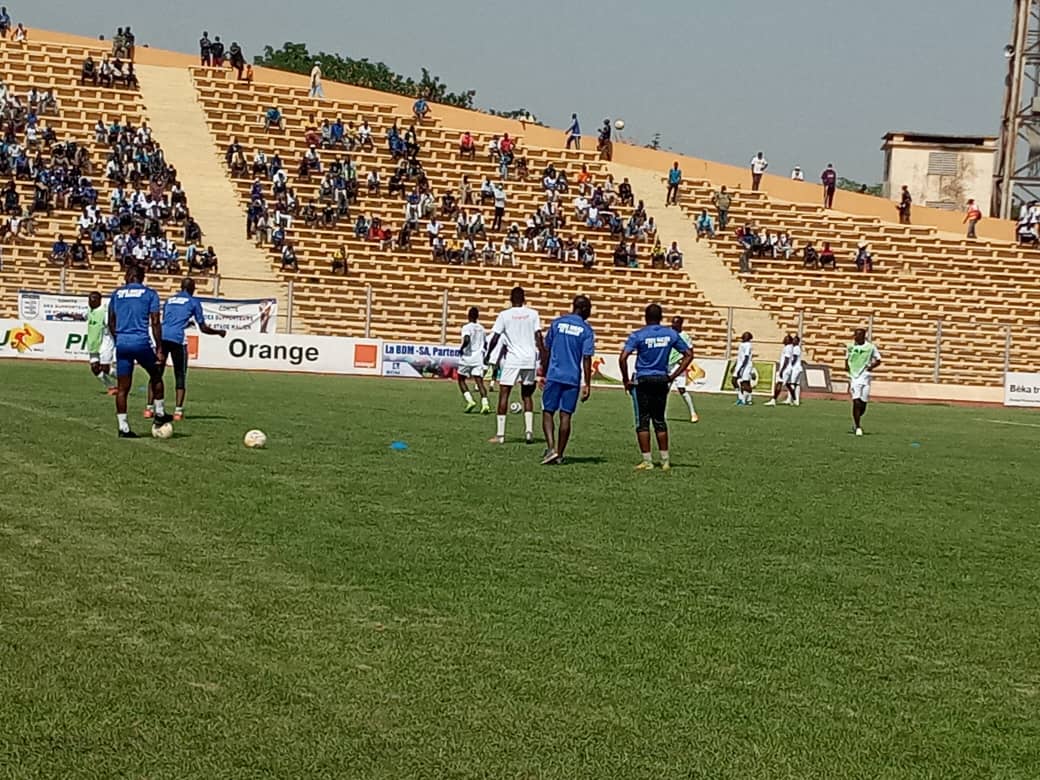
pixel 133 321
pixel 652 345
pixel 569 347
pixel 178 312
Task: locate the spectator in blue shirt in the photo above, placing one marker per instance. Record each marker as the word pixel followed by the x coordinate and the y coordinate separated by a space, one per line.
pixel 652 345
pixel 705 225
pixel 574 133
pixel 421 109
pixel 273 118
pixel 567 358
pixel 671 198
pixel 60 251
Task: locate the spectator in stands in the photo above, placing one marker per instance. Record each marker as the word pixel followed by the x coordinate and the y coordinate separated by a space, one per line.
pixel 60 251
pixel 5 22
pixel 827 257
pixel 78 254
pixel 905 204
pixel 604 144
pixel 289 257
pixel 316 90
pixel 864 260
pixel 671 197
pixel 784 246
pixel 586 253
pixel 1026 230
pixel 237 59
pixel 205 50
pixel 21 35
pixel 722 200
pixel 433 230
pixel 88 72
pixel 657 256
pixel 339 260
pixel 129 44
pixel 420 109
pixel 829 180
pixel 574 133
pixel 631 254
pixel 500 206
pixel 372 182
pixel 796 174
pixel 674 259
pixel 972 215
pixel 625 193
pixel 192 231
pixel 467 146
pixel 621 254
pixel 705 225
pixel 759 163
pixel 216 51
pixel 12 201
pixel 273 118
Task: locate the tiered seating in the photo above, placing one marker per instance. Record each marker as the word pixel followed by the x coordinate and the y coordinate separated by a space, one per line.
pixel 408 287
pixel 50 66
pixel 976 288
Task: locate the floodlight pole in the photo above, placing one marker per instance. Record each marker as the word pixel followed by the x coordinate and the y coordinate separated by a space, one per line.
pixel 1017 175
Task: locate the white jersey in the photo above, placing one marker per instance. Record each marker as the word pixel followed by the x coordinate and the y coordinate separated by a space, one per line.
pixel 745 355
pixel 517 327
pixel 796 362
pixel 784 364
pixel 473 353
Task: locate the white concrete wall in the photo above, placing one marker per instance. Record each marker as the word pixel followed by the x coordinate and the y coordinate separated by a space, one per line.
pixel 909 165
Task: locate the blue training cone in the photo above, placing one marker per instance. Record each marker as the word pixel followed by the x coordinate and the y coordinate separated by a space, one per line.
pixel 398 445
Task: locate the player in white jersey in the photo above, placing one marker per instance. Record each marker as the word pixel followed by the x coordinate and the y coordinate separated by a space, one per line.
pixel 861 358
pixel 783 372
pixel 680 381
pixel 521 330
pixel 471 362
pixel 794 377
pixel 744 370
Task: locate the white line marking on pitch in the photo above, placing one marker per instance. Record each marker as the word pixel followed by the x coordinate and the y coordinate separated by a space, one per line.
pixel 1009 422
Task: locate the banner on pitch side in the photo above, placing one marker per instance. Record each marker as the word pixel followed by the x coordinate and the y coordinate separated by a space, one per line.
pixel 259 315
pixel 45 340
pixel 1022 388
pixel 703 375
pixel 289 353
pixel 420 361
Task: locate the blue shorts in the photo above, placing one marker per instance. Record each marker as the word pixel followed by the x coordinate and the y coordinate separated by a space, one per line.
pixel 141 354
pixel 560 397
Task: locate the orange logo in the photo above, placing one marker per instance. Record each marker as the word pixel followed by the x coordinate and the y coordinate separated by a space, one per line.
pixel 365 356
pixel 193 347
pixel 694 373
pixel 25 338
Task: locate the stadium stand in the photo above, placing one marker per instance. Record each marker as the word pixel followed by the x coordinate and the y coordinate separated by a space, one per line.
pixel 46 80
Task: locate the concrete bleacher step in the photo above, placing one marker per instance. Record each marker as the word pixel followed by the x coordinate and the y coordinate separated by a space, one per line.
pixel 179 122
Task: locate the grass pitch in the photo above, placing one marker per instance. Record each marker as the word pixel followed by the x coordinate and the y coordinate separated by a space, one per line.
pixel 789 602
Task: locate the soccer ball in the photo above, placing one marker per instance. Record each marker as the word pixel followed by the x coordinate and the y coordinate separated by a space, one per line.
pixel 164 431
pixel 516 407
pixel 620 124
pixel 255 439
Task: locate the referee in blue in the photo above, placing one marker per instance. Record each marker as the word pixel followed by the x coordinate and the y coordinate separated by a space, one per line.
pixel 652 345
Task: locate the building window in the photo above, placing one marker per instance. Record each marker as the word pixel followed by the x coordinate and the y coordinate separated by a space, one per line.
pixel 942 164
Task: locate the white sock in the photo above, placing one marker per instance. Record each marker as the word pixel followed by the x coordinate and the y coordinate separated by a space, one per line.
pixel 689 402
pixel 648 457
pixel 150 407
pixel 108 380
pixel 484 401
pixel 529 421
pixel 124 424
pixel 179 409
pixel 160 408
pixel 747 397
pixel 103 379
pixel 468 396
pixel 664 456
pixel 501 426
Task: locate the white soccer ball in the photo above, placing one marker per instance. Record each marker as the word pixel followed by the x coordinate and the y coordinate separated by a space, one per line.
pixel 620 124
pixel 164 431
pixel 255 439
pixel 516 407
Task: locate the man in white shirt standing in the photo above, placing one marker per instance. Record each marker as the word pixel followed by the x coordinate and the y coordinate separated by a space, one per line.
pixel 796 174
pixel 783 373
pixel 743 370
pixel 794 379
pixel 520 330
pixel 316 90
pixel 861 358
pixel 758 166
pixel 471 361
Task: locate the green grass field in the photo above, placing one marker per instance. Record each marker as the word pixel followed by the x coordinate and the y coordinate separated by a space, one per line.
pixel 789 602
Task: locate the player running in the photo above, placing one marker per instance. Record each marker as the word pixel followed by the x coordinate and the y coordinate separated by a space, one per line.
pixel 861 357
pixel 652 345
pixel 178 312
pixel 569 347
pixel 471 361
pixel 783 374
pixel 794 379
pixel 673 360
pixel 101 349
pixel 521 331
pixel 743 370
pixel 133 320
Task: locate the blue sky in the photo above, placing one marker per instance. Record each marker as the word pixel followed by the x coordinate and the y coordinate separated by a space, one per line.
pixel 809 83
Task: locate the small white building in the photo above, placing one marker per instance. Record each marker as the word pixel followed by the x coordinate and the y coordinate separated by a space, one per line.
pixel 942 171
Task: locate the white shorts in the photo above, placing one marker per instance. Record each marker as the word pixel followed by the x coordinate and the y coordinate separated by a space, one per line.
pixel 794 378
pixel 517 376
pixel 680 382
pixel 747 376
pixel 860 391
pixel 107 355
pixel 472 369
pixel 784 377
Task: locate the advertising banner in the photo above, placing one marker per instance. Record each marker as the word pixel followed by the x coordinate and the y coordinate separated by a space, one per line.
pixel 415 361
pixel 1022 389
pixel 259 315
pixel 56 340
pixel 703 376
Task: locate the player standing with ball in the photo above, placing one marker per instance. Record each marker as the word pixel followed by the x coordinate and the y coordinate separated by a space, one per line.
pixel 520 329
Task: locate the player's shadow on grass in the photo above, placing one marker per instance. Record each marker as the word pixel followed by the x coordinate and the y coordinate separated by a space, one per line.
pixel 584 460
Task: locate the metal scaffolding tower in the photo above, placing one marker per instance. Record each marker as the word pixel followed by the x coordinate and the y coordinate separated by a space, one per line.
pixel 1018 162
